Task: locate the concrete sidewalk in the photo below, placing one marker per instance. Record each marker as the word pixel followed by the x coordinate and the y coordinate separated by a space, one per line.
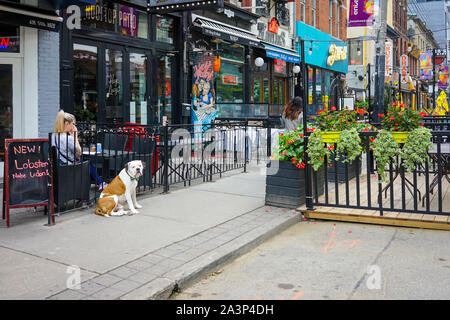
pixel 175 239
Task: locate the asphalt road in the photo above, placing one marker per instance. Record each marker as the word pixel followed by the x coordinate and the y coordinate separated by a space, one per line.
pixel 333 260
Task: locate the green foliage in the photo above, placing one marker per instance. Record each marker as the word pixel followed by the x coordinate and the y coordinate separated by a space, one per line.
pixel 384 149
pixel 331 120
pixel 349 145
pixel 401 118
pixel 416 148
pixel 317 150
pixel 291 147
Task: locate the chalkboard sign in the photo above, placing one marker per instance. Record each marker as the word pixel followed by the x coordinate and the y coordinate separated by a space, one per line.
pixel 26 176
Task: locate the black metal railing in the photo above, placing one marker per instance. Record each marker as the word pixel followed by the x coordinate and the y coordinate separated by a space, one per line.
pixel 437 123
pixel 425 190
pixel 175 154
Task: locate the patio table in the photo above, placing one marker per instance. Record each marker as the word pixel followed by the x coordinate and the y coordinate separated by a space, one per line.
pixel 444 157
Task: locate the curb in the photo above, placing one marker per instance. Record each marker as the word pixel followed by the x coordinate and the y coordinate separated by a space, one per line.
pixel 177 279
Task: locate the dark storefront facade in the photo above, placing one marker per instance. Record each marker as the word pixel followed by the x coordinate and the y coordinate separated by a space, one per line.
pixel 120 66
pixel 247 75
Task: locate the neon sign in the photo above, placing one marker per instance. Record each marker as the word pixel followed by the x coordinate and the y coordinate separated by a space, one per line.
pixel 4 43
pixel 230 79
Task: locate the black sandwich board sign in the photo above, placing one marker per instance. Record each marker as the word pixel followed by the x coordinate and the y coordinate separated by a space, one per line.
pixel 26 175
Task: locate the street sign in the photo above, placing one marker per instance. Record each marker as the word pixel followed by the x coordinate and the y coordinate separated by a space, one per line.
pixel 404 69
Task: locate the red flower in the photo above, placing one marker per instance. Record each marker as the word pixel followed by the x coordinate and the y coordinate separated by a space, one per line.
pixel 423 114
pixel 381 115
pixel 392 118
pixel 394 103
pixel 421 124
pixel 333 108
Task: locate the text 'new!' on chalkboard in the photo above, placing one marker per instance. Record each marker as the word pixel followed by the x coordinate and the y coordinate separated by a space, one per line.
pixel 28 170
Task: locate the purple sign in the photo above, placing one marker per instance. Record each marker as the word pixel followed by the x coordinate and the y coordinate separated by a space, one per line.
pixel 426 66
pixel 443 77
pixel 361 13
pixel 128 21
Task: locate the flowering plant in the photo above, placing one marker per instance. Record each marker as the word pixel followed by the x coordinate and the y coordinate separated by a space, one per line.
pixel 401 118
pixel 291 147
pixel 362 108
pixel 332 120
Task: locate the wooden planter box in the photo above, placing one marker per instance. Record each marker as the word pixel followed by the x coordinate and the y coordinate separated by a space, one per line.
pixel 286 187
pixel 353 169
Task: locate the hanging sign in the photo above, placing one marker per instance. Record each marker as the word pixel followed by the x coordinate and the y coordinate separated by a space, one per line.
pixel 404 69
pixel 361 13
pixel 273 26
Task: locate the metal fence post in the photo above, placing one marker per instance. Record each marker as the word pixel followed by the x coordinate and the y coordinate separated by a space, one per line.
pixel 245 147
pixel 166 159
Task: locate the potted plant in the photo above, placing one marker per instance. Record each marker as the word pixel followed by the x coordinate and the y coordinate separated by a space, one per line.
pixel 400 121
pixel 285 178
pixel 339 127
pixel 403 135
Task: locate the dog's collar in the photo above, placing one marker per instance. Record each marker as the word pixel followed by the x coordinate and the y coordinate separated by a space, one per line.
pixel 131 177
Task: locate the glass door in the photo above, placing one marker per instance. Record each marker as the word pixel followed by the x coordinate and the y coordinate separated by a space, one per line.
pixel 85 82
pixel 139 88
pixel 261 89
pixel 10 102
pixel 114 106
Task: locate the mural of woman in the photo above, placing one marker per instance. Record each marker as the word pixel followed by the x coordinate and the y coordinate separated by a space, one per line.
pixel 203 102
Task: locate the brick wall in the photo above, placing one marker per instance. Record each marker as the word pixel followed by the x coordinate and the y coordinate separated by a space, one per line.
pixel 322 17
pixel 48 81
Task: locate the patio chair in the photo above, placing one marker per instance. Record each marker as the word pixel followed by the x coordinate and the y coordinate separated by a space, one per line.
pixel 70 182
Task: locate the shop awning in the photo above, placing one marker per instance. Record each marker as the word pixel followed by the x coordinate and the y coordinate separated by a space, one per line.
pixel 281 53
pixel 219 30
pixel 29 16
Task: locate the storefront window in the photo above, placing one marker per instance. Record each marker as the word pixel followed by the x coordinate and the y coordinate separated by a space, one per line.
pixel 266 91
pixel 256 90
pixel 113 17
pixel 9 39
pixel 165 90
pixel 6 104
pixel 164 29
pixel 138 88
pixel 85 82
pixel 318 87
pixel 229 83
pixel 231 51
pixel 278 91
pixel 353 56
pixel 310 85
pixel 114 85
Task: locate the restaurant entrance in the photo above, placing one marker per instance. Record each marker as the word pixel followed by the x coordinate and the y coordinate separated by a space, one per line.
pixel 111 83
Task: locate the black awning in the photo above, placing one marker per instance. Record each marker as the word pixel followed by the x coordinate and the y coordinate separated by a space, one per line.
pixel 29 16
pixel 217 29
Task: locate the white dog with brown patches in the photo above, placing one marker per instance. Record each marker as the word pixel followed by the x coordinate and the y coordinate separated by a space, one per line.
pixel 120 191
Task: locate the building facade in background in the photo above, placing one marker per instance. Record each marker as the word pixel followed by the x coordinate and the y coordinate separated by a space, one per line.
pixel 322 26
pixel 29 69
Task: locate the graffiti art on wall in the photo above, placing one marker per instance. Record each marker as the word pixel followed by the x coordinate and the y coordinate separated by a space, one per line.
pixel 203 101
